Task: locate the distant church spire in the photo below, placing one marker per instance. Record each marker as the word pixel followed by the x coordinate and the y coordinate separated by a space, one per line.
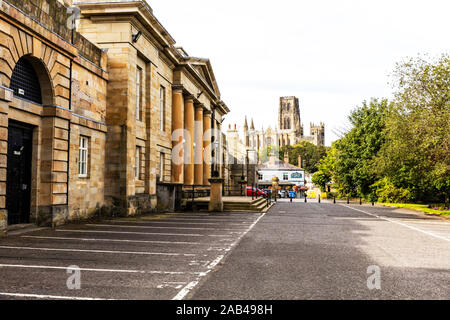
pixel 252 126
pixel 247 137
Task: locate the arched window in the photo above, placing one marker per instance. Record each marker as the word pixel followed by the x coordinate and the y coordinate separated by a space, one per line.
pixel 287 124
pixel 25 81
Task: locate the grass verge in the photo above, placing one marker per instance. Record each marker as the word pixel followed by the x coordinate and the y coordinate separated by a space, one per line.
pixel 418 207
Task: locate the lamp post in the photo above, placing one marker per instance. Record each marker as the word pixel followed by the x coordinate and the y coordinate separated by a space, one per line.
pixel 214 171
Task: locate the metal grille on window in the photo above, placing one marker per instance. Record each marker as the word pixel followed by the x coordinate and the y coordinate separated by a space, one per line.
pixel 25 82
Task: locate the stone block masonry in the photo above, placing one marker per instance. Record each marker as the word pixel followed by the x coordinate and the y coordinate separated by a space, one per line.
pixel 101 107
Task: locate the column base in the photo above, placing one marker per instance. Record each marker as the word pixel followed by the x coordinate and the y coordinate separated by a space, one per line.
pixel 52 216
pixel 3 222
pixel 216 201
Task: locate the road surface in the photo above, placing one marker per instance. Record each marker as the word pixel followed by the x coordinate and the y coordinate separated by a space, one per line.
pixel 295 251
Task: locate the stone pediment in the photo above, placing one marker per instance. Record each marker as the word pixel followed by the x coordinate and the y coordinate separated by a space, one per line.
pixel 204 69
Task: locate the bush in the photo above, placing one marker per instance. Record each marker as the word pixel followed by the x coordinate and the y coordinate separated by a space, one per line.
pixel 332 195
pixel 387 193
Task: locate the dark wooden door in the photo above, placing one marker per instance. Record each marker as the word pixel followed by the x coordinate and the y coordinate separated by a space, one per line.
pixel 18 186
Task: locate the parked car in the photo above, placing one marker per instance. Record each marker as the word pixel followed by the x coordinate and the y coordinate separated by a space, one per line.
pixel 282 193
pixel 254 192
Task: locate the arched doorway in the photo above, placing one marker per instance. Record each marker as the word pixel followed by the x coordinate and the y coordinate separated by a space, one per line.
pixel 29 82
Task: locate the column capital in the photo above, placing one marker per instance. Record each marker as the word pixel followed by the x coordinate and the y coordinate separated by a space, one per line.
pixel 189 97
pixel 177 88
pixel 199 105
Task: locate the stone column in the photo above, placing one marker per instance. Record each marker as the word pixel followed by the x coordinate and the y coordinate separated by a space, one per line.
pixel 206 147
pixel 6 96
pixel 189 141
pixel 177 127
pixel 198 150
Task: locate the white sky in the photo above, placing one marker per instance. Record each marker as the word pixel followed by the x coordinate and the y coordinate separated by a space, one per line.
pixel 332 55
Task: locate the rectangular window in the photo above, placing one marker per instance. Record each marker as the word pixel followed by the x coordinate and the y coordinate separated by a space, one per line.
pixel 83 157
pixel 162 108
pixel 161 166
pixel 138 93
pixel 285 176
pixel 137 165
pixel 260 176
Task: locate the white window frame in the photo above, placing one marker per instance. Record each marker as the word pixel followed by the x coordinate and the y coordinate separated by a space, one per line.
pixel 138 93
pixel 162 108
pixel 83 157
pixel 137 163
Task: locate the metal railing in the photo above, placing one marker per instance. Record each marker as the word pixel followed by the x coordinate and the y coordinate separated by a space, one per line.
pixel 196 191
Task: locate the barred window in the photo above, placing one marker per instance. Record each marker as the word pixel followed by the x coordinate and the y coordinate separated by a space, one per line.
pixel 25 82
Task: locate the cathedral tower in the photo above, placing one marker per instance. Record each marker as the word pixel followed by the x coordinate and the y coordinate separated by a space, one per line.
pixel 289 120
pixel 318 134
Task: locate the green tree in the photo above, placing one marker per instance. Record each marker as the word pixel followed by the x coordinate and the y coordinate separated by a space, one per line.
pixel 327 168
pixel 310 153
pixel 266 152
pixel 355 153
pixel 416 155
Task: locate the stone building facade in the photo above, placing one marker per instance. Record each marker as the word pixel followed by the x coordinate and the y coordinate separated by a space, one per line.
pixel 88 111
pixel 290 130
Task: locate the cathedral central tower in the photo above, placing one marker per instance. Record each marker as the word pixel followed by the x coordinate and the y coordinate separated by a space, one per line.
pixel 289 120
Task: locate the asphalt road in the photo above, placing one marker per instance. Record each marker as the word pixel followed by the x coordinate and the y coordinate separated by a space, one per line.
pixel 295 251
pixel 147 258
pixel 325 251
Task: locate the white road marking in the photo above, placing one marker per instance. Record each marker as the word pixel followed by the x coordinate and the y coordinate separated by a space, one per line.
pixel 146 233
pixel 40 296
pixel 206 220
pixel 128 232
pixel 99 270
pixel 149 227
pixel 430 223
pixel 188 288
pixel 101 251
pixel 224 217
pixel 213 264
pixel 401 224
pixel 203 263
pixel 174 285
pixel 184 292
pixel 190 223
pixel 116 240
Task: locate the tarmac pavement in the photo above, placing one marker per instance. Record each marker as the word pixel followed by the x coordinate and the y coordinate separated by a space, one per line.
pixel 295 251
pixel 333 251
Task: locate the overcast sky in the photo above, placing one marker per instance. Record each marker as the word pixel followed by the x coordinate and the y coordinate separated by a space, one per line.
pixel 332 55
